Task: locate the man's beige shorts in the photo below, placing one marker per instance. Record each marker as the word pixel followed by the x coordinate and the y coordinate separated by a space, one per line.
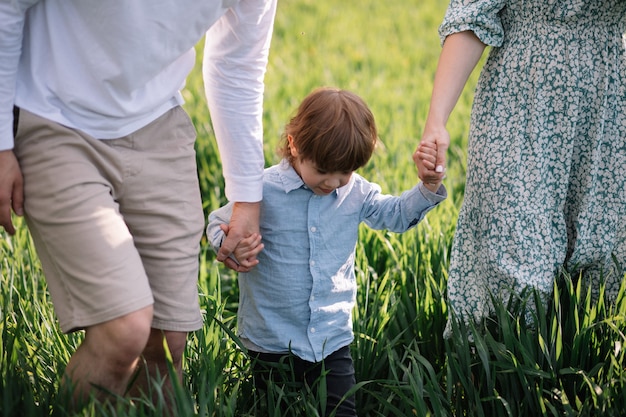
pixel 116 223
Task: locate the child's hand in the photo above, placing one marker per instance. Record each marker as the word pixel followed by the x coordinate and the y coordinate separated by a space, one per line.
pixel 425 158
pixel 243 258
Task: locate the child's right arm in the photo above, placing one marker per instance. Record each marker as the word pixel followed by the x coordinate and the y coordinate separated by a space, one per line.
pixel 243 257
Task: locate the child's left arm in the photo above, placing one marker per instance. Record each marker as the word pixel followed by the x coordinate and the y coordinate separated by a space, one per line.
pixel 400 213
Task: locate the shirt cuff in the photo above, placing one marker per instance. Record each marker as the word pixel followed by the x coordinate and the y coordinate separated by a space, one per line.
pixel 435 198
pixel 6 135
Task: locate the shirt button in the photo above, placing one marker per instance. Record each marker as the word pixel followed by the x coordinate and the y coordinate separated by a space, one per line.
pixel 312 263
pixel 312 329
pixel 313 229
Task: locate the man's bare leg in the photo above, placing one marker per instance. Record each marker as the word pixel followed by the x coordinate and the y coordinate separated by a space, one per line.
pixel 153 364
pixel 108 356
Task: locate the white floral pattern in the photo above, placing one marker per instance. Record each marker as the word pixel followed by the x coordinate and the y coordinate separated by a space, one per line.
pixel 546 168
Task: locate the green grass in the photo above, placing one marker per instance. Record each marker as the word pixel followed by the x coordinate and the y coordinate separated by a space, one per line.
pixel 567 359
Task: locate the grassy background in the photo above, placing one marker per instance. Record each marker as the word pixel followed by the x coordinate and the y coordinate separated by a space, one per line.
pixel 567 361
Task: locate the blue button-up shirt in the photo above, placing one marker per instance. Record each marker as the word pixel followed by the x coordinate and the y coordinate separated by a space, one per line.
pixel 300 296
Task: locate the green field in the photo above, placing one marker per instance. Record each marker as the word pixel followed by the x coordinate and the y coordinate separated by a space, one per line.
pixel 568 360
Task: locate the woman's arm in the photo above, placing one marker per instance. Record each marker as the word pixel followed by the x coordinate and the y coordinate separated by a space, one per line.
pixel 460 53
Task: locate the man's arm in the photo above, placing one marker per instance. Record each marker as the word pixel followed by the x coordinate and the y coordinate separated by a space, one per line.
pixel 12 16
pixel 234 64
pixel 11 190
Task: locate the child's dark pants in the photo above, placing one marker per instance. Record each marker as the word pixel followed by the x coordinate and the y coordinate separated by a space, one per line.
pixel 337 367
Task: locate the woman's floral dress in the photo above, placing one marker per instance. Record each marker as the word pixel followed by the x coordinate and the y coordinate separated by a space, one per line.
pixel 546 168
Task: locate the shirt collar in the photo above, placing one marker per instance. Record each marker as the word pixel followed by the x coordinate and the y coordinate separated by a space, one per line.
pixel 289 178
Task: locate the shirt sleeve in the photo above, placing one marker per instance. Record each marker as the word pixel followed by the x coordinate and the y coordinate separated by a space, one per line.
pixel 399 214
pixel 234 64
pixel 214 233
pixel 479 16
pixel 12 16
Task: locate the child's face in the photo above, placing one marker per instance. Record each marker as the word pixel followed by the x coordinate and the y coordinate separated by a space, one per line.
pixel 320 182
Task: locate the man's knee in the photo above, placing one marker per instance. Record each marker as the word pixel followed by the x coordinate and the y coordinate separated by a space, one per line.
pixel 121 340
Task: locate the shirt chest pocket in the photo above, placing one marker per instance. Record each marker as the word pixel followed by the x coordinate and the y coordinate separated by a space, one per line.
pixel 336 236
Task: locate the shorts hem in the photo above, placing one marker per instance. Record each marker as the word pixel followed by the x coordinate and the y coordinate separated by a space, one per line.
pixel 75 323
pixel 187 327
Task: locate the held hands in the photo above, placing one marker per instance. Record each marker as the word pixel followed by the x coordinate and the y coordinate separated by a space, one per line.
pixel 11 190
pixel 430 157
pixel 243 240
pixel 243 258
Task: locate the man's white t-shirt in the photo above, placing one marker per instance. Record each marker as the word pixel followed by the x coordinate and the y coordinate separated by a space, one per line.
pixel 111 67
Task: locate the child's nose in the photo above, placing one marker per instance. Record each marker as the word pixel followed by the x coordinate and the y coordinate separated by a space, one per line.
pixel 333 183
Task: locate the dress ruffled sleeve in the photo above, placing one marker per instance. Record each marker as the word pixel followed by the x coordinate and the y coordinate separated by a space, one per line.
pixel 480 16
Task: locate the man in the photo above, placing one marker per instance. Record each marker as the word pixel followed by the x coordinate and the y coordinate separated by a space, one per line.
pixel 97 153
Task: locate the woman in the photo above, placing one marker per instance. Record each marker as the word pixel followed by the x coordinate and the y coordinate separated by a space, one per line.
pixel 546 168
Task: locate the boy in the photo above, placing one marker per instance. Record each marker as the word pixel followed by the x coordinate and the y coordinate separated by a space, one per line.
pixel 296 299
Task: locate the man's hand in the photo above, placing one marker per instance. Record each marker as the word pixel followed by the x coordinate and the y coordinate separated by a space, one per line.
pixel 242 229
pixel 243 258
pixel 11 190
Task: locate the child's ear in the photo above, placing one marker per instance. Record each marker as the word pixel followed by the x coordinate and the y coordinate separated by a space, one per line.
pixel 292 147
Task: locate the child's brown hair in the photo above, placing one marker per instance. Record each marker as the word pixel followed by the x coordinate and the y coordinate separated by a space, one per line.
pixel 333 128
